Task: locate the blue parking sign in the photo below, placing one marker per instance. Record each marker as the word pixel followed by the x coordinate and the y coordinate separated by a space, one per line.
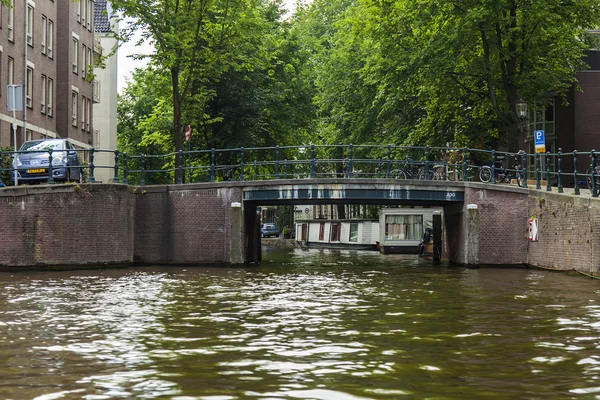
pixel 540 141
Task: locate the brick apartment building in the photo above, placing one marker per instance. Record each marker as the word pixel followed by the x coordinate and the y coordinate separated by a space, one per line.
pixel 48 47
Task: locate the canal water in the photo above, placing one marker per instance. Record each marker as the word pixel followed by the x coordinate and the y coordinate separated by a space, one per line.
pixel 318 324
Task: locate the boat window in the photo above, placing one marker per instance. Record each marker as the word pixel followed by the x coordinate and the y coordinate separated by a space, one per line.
pixel 354 232
pixel 403 227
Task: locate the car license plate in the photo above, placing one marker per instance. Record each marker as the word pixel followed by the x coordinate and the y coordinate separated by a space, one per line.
pixel 36 171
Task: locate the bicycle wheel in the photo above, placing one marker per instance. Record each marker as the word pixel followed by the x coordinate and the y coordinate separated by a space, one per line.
pixel 485 174
pixel 519 179
pixel 398 174
pixel 588 178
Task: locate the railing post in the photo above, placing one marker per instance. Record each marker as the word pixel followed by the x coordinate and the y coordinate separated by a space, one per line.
pixel 277 162
pixel 255 171
pixel 212 165
pixel 493 166
pixel 538 172
pixel 242 164
pixel 285 168
pixel 594 175
pixel 92 178
pixel 51 168
pixel 351 162
pixel 548 185
pixel 142 170
pixel 116 176
pixel 524 168
pixel 125 172
pixel 427 177
pixel 559 178
pixel 180 167
pixel 575 183
pixel 378 167
pixel 313 167
pixel 389 161
pixel 445 166
pixel 347 167
pixel 464 165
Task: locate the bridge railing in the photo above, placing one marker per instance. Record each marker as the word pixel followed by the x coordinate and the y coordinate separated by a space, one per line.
pixel 558 170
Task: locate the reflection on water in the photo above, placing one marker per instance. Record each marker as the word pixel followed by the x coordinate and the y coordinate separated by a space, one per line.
pixel 313 324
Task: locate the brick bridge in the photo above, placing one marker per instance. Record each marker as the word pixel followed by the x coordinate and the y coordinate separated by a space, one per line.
pixel 70 226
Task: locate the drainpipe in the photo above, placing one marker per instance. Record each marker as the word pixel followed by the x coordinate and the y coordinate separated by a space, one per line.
pixel 25 73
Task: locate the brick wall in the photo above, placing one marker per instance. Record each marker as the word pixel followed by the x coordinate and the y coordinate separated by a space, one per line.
pixel 184 226
pixel 568 232
pixel 61 225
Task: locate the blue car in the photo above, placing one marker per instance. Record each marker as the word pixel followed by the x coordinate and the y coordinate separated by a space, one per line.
pixel 267 230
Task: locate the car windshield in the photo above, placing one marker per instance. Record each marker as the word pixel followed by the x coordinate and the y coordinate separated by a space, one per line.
pixel 267 226
pixel 42 145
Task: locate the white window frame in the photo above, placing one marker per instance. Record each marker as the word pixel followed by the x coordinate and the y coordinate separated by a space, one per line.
pixel 10 71
pixel 90 10
pixel 83 112
pixel 29 23
pixel 50 94
pixel 82 5
pixel 11 21
pixel 50 45
pixel 75 50
pixel 74 105
pixel 83 60
pixel 89 60
pixel 89 115
pixel 29 84
pixel 44 33
pixel 43 85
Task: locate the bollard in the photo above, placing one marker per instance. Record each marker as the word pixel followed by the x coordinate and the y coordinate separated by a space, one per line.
pixel 116 175
pixel 50 168
pixel 548 185
pixel 559 178
pixel 125 172
pixel 92 178
pixel 575 183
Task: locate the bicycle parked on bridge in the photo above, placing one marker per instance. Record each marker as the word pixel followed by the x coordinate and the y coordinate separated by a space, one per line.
pixel 588 178
pixel 416 170
pixel 503 175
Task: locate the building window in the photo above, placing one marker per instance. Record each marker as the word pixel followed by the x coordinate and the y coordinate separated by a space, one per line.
pixel 50 38
pixel 353 232
pixel 75 55
pixel 322 231
pixel 403 227
pixel 90 10
pixel 89 113
pixel 11 20
pixel 29 84
pixel 10 73
pixel 50 98
pixel 43 85
pixel 335 232
pixel 96 90
pixel 83 112
pixel 89 58
pixel 30 25
pixel 44 33
pixel 82 11
pixel 83 60
pixel 28 135
pixel 74 109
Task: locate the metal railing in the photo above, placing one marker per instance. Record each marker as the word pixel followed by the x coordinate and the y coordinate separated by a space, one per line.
pixel 552 170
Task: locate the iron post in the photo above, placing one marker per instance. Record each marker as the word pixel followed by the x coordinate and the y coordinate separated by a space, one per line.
pixel 427 177
pixel 594 175
pixel 212 165
pixel 285 168
pixel 389 161
pixel 179 167
pixel 538 172
pixel 548 185
pixel 125 172
pixel 189 157
pixel 524 168
pixel 50 168
pixel 464 162
pixel 559 177
pixel 493 166
pixel 313 166
pixel 277 162
pixel 255 171
pixel 92 178
pixel 351 161
pixel 116 176
pixel 142 170
pixel 242 164
pixel 575 183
